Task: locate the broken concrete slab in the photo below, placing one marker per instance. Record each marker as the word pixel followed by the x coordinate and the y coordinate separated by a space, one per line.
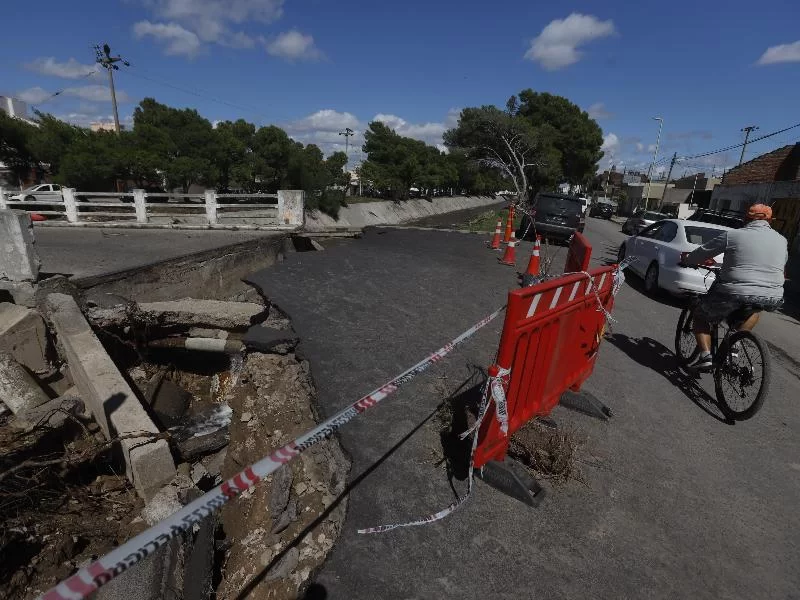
pixel 108 396
pixel 188 312
pixel 19 260
pixel 168 400
pixel 269 339
pixel 18 390
pixel 23 336
pixel 204 313
pixel 204 432
pixel 53 413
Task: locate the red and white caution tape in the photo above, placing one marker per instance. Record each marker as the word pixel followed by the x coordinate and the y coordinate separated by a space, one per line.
pixel 494 384
pixel 88 579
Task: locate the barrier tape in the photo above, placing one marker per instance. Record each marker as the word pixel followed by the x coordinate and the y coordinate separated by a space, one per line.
pixel 88 579
pixel 498 395
pixel 484 407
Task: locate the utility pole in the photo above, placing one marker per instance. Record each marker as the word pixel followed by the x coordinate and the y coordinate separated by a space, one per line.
pixel 653 162
pixel 747 131
pixel 669 174
pixel 347 133
pixel 108 62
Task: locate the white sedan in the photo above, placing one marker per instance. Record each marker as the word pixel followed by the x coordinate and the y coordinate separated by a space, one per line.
pixel 44 192
pixel 658 250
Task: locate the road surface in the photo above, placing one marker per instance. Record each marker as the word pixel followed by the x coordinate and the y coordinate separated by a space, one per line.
pixel 91 251
pixel 674 502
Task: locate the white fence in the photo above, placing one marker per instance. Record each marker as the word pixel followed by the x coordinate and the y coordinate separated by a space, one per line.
pixel 138 208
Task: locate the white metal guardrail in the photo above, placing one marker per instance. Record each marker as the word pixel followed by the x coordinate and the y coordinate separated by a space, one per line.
pixel 138 208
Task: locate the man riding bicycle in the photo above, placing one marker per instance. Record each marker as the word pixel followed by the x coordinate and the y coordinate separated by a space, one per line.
pixel 752 275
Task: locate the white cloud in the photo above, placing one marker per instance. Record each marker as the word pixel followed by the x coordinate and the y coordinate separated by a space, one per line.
pixel 782 53
pixel 325 120
pixel 293 45
pixel 651 147
pixel 598 111
pixel 430 133
pixel 72 69
pixel 34 95
pixel 210 21
pixel 178 41
pixel 639 147
pixel 557 45
pixel 610 143
pixel 95 93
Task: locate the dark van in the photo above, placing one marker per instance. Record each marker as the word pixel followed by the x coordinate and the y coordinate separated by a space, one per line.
pixel 556 216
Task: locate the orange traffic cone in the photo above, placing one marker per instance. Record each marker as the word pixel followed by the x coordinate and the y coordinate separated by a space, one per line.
pixel 495 245
pixel 533 263
pixel 510 255
pixel 509 225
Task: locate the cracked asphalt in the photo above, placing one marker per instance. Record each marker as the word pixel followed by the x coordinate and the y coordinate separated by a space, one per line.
pixel 673 502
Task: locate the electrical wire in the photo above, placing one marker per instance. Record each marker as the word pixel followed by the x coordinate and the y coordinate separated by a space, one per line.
pixel 61 91
pixel 198 94
pixel 763 137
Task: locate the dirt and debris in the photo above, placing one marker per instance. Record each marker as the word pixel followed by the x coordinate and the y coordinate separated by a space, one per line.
pixel 279 533
pixel 54 481
pixel 219 413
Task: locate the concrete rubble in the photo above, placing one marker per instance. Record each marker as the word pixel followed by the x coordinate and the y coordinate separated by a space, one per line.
pixel 188 312
pixel 110 399
pixel 23 335
pixel 18 389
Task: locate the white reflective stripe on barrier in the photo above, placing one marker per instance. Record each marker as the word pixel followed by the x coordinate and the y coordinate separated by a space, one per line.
pixel 88 579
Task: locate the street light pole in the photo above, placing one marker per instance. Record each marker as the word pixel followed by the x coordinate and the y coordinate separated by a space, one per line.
pixel 747 131
pixel 655 155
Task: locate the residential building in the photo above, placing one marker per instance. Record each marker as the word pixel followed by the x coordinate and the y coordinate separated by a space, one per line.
pixel 104 126
pixel 16 108
pixel 772 179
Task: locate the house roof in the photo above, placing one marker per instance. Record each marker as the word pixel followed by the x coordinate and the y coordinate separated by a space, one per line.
pixel 782 164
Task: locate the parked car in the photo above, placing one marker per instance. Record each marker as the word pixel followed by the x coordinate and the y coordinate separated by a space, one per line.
pixel 641 219
pixel 729 218
pixel 556 216
pixel 658 249
pixel 44 192
pixel 602 210
pixel 585 202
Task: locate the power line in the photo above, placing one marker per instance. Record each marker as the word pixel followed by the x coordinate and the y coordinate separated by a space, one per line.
pixel 763 137
pixel 198 94
pixel 61 91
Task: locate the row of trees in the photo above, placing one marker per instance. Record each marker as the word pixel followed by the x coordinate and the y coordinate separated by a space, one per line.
pixel 173 149
pixel 537 140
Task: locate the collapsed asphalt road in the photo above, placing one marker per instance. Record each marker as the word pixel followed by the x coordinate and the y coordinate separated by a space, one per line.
pixel 675 502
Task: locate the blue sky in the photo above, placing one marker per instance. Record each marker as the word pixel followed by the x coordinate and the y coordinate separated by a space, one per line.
pixel 315 67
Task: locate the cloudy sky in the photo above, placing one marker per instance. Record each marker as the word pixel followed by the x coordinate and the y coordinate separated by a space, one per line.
pixel 316 67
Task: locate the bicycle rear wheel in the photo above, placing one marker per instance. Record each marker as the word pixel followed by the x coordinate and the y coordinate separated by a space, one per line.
pixel 742 375
pixel 685 343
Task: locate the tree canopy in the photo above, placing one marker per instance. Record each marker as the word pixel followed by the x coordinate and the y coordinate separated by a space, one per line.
pixel 572 132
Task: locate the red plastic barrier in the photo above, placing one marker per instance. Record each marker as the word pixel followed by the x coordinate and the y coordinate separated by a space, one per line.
pixel 579 254
pixel 550 339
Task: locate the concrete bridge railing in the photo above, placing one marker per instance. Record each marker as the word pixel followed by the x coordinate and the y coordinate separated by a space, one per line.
pixel 139 208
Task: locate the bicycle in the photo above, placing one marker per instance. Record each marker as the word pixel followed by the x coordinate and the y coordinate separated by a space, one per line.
pixel 741 362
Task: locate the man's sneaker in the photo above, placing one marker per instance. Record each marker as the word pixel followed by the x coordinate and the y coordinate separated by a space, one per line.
pixel 702 362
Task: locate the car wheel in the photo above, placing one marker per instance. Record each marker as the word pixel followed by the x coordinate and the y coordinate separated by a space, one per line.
pixel 651 279
pixel 30 198
pixel 621 253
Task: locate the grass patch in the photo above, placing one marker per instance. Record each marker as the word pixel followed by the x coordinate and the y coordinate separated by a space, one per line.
pixel 486 222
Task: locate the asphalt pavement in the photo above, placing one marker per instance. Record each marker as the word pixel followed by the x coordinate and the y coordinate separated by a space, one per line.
pixel 91 251
pixel 673 502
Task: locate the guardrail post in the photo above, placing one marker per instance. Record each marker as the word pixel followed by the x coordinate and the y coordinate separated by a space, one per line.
pixel 70 208
pixel 140 204
pixel 290 207
pixel 3 204
pixel 211 207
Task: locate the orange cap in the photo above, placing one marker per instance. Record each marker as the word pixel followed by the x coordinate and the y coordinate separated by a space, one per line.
pixel 759 212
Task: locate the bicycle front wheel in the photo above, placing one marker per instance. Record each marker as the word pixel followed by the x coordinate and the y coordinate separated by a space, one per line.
pixel 742 375
pixel 685 343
